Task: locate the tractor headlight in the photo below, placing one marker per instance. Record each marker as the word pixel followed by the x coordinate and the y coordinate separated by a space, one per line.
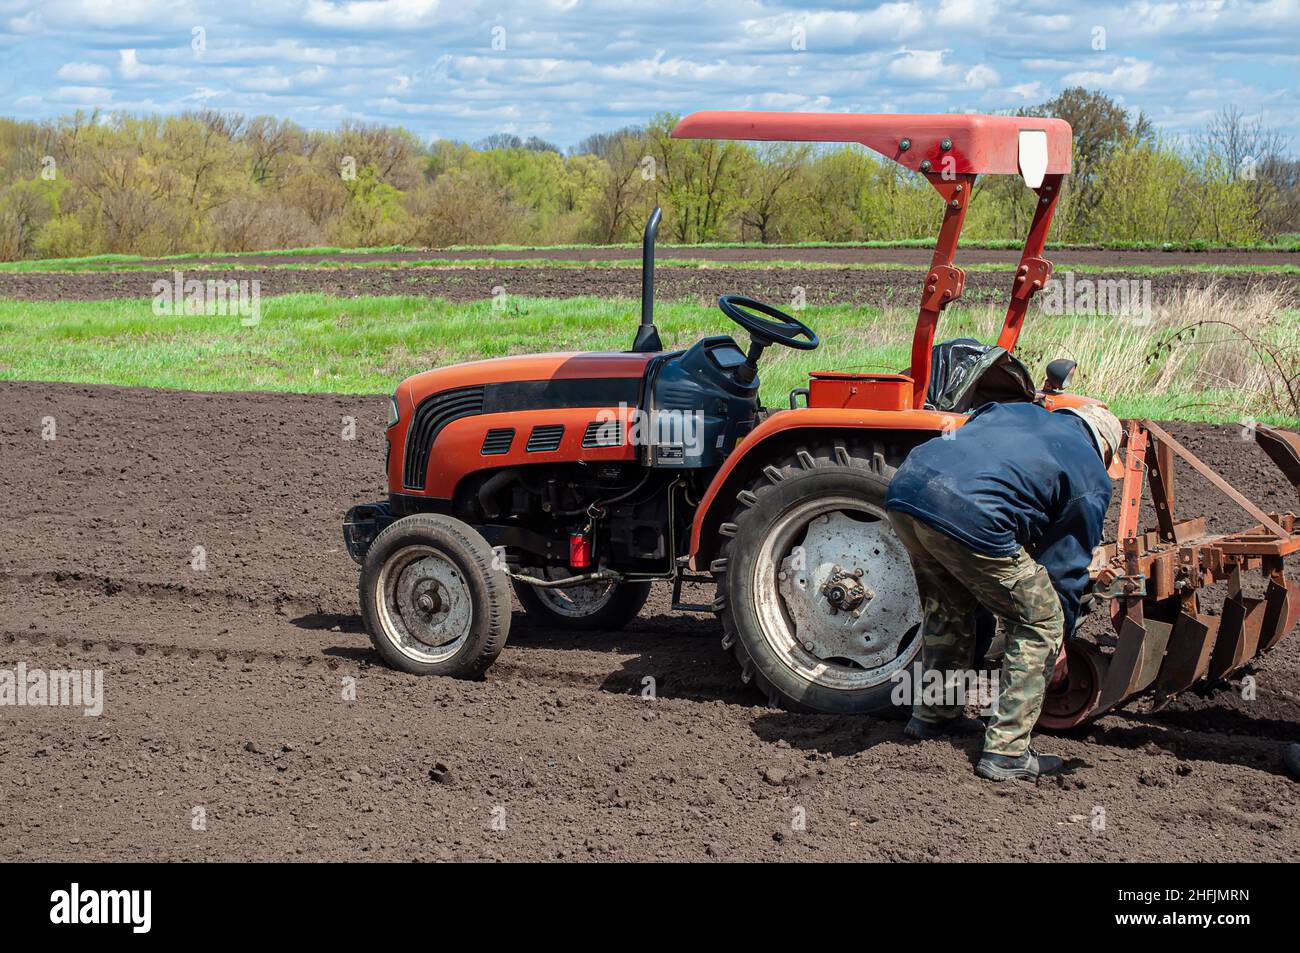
pixel 393 415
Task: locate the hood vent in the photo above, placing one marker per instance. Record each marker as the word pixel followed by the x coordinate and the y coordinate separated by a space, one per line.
pixel 545 438
pixel 603 433
pixel 498 441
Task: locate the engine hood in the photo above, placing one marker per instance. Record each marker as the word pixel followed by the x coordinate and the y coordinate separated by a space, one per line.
pixel 524 367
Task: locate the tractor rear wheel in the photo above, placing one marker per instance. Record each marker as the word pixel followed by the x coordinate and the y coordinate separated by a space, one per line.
pixel 819 601
pixel 432 598
pixel 596 606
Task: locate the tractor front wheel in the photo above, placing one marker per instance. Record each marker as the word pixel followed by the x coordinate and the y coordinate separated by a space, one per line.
pixel 432 599
pixel 819 601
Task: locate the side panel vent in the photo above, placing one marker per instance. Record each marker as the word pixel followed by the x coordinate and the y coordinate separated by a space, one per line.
pixel 603 433
pixel 545 438
pixel 498 441
pixel 434 413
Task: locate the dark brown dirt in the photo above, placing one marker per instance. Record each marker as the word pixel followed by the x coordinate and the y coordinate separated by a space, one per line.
pixel 918 257
pixel 821 285
pixel 224 689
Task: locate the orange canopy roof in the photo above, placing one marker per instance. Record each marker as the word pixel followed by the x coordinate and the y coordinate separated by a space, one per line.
pixel 982 145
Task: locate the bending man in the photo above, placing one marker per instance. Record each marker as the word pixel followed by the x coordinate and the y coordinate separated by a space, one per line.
pixel 1004 512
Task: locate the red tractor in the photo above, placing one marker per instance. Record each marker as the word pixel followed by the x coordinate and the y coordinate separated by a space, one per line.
pixel 579 479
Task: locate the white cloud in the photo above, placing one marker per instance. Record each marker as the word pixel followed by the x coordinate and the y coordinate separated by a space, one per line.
pixel 83 72
pixel 28 23
pixel 1128 76
pixel 1049 22
pixel 371 14
pixel 921 66
pixel 973 13
pixel 89 95
pixel 573 67
pixel 1048 63
pixel 981 76
pixel 116 14
pixel 128 64
pixel 1029 91
pixel 835 29
pixel 794 102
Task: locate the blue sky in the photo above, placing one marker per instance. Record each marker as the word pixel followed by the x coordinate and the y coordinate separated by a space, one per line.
pixel 561 69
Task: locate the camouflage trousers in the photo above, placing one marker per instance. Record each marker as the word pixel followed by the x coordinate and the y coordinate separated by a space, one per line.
pixel 954 581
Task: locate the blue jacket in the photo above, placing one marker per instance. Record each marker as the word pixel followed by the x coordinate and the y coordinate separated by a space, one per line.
pixel 1014 475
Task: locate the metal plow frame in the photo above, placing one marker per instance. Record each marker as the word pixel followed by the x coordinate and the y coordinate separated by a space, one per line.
pixel 1165 642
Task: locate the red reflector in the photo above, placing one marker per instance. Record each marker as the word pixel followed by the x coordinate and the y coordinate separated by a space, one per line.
pixel 579 550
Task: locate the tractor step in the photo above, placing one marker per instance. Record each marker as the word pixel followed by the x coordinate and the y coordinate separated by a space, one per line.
pixel 678 605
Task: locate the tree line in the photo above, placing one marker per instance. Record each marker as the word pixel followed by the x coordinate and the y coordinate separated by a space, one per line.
pixel 206 181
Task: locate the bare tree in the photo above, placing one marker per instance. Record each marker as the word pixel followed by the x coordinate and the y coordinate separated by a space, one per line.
pixel 1279 205
pixel 499 140
pixel 602 144
pixel 1243 149
pixel 1242 143
pixel 392 152
pixel 270 142
pixel 624 186
pixel 463 207
pixel 227 125
pixel 1100 125
pixel 767 185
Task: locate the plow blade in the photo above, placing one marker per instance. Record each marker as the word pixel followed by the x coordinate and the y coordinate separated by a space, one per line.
pixel 1283 448
pixel 1187 656
pixel 1281 612
pixel 1165 643
pixel 1135 663
pixel 1238 636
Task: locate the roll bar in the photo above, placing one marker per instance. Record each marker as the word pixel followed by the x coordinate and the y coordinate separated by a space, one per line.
pixel 950 151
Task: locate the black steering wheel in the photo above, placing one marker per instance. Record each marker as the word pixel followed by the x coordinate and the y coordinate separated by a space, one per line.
pixel 776 327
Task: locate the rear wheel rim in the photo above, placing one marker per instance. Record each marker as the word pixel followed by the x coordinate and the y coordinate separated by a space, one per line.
pixel 837 553
pixel 425 605
pixel 573 602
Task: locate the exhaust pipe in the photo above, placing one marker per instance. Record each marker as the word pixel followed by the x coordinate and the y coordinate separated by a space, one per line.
pixel 647 335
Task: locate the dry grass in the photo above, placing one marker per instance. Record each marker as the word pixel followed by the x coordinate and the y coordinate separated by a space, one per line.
pixel 1205 354
pixel 1235 354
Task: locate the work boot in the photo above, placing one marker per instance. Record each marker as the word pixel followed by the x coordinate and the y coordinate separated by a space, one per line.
pixel 927 730
pixel 1030 766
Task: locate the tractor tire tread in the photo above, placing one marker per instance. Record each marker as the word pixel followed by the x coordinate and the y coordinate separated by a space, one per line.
pixel 874 456
pixel 476 554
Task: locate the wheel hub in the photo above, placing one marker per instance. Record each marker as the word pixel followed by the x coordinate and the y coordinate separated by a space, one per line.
pixel 844 590
pixel 431 601
pixel 848 590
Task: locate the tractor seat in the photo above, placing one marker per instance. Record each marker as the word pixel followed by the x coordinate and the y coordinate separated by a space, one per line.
pixel 965 374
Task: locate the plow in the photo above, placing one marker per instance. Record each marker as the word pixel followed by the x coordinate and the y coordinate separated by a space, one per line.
pixel 1166 639
pixel 575 480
